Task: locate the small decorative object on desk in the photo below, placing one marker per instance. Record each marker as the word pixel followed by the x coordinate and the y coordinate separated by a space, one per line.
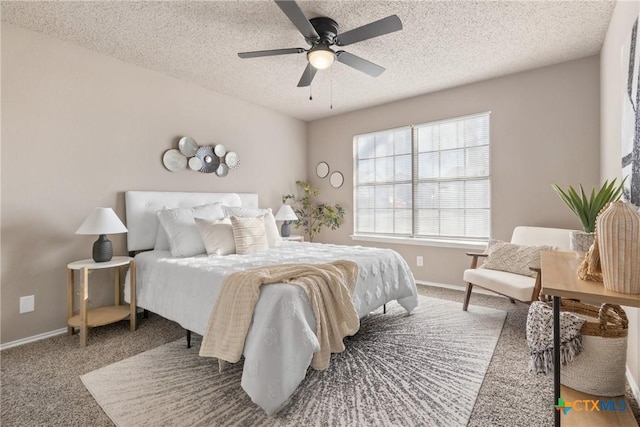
pixel 619 239
pixel 590 268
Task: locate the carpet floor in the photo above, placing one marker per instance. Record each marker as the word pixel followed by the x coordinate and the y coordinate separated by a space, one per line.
pixel 40 382
pixel 423 369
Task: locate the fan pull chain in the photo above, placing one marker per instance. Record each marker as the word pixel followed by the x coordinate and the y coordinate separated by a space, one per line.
pixel 310 95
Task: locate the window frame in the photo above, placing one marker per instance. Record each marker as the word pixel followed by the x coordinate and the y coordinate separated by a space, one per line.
pixel 413 238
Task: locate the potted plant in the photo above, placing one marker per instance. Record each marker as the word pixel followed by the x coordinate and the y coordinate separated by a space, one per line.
pixel 313 215
pixel 587 208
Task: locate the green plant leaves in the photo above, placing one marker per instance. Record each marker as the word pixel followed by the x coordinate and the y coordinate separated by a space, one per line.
pixel 588 208
pixel 314 215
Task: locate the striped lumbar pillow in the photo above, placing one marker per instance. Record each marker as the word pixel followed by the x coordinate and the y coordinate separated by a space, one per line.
pixel 249 234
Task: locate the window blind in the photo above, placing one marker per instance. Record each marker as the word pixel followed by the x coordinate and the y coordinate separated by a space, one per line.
pixel 426 181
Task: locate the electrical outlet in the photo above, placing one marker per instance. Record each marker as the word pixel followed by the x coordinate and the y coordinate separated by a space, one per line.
pixel 419 261
pixel 27 304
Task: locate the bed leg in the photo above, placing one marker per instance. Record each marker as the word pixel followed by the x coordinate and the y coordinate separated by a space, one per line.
pixel 145 314
pixel 188 338
pixel 384 308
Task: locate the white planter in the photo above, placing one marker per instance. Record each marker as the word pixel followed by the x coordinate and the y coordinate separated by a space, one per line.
pixel 580 242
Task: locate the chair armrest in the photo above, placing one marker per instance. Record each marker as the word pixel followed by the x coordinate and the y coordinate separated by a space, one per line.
pixel 481 254
pixel 474 259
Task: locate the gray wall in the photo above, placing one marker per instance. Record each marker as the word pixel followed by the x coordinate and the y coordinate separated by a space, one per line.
pixel 79 129
pixel 613 75
pixel 545 127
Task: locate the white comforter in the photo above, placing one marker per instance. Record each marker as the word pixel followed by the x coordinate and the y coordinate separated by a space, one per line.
pixel 281 340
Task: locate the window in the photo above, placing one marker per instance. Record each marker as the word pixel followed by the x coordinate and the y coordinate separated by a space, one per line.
pixel 428 181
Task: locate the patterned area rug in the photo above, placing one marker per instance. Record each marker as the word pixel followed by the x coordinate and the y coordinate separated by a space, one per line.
pixel 424 369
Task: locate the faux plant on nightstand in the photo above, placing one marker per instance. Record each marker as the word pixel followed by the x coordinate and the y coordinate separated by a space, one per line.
pixel 587 209
pixel 312 214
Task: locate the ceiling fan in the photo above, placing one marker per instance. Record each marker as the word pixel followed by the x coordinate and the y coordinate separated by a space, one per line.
pixel 321 33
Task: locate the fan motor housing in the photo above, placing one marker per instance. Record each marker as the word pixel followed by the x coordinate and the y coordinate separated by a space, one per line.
pixel 326 28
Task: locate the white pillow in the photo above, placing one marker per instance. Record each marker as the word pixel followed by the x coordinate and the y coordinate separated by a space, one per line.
pixel 249 234
pixel 217 235
pixel 271 229
pixel 162 240
pixel 182 232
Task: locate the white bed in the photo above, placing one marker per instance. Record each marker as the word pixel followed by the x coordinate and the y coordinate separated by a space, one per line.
pixel 281 340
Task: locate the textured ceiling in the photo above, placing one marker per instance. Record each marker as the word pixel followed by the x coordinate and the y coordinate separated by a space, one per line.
pixel 443 44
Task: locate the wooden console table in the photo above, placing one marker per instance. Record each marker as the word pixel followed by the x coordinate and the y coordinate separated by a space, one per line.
pixel 560 280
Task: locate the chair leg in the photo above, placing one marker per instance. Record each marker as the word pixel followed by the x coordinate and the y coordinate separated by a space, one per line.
pixel 465 304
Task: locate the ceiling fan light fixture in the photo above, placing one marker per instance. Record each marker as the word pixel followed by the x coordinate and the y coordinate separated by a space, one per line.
pixel 321 57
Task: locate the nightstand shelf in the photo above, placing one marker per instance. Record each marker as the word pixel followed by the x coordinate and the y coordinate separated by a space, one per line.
pixel 100 316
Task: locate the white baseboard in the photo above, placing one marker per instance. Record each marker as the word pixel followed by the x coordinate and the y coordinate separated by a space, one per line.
pixel 635 389
pixel 34 338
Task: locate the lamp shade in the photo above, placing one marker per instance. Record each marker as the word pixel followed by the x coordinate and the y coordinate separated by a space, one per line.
pixel 102 221
pixel 285 213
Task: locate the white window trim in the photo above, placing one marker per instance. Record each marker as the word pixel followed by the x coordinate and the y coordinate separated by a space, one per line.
pixel 440 243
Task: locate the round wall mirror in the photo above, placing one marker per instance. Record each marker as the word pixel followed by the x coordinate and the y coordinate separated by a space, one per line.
pixel 322 170
pixel 336 180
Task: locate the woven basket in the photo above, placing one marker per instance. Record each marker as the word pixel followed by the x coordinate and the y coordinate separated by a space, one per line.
pixel 600 368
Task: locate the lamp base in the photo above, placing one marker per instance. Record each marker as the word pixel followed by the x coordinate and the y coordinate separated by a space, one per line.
pixel 285 231
pixel 102 249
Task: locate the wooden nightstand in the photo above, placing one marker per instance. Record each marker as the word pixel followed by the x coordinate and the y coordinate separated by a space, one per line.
pixel 294 238
pixel 89 318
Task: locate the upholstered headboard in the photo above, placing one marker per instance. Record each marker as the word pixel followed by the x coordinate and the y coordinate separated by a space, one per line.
pixel 141 207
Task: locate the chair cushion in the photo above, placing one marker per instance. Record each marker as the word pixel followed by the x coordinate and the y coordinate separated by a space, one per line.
pixel 512 258
pixel 512 285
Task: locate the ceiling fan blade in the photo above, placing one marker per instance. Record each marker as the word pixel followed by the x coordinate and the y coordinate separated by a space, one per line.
pixel 259 53
pixel 295 15
pixel 374 29
pixel 307 76
pixel 359 64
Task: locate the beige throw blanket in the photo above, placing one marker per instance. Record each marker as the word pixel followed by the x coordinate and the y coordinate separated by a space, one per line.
pixel 329 288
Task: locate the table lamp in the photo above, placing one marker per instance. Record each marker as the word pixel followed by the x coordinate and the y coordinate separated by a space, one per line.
pixel 286 214
pixel 102 221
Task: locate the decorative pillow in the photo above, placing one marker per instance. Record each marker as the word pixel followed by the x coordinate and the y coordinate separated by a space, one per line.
pixel 271 229
pixel 162 240
pixel 217 235
pixel 249 234
pixel 182 232
pixel 513 258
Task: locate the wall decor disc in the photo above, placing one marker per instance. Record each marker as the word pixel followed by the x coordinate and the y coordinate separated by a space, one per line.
pixel 188 146
pixel 223 170
pixel 232 160
pixel 336 179
pixel 220 150
pixel 195 164
pixel 210 161
pixel 174 160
